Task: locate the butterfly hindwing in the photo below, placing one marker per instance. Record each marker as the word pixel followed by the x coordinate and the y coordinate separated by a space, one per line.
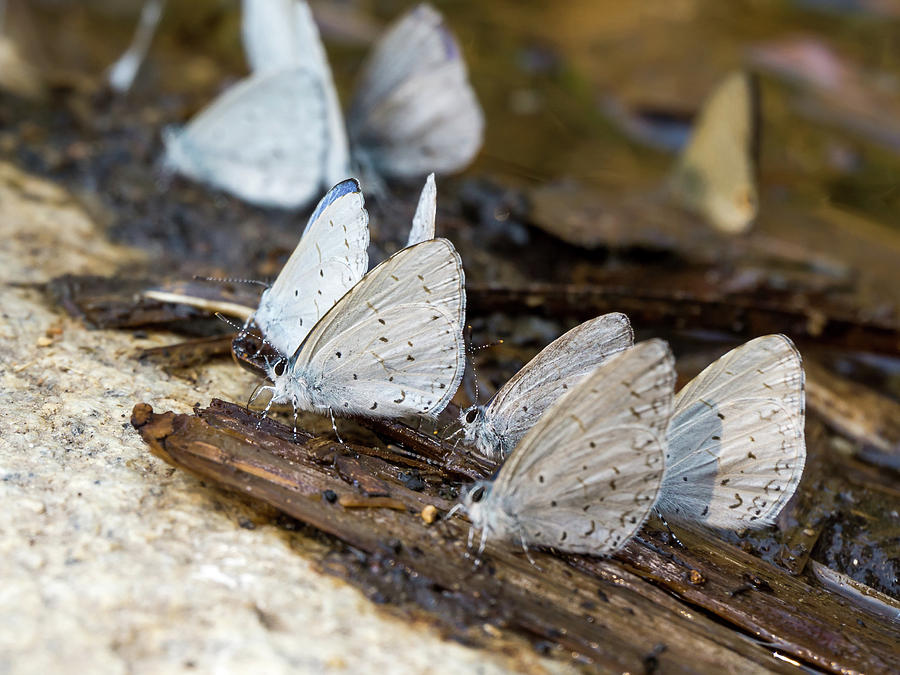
pixel 393 345
pixel 736 447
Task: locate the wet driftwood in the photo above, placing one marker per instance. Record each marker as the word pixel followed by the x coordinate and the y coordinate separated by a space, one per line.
pixel 854 410
pixel 116 303
pixel 680 310
pixel 651 606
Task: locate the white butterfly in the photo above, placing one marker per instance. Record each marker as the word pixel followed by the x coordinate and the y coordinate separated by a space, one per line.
pixel 496 428
pixel 716 173
pixel 736 446
pixel 391 347
pixel 586 475
pixel 329 260
pixel 277 137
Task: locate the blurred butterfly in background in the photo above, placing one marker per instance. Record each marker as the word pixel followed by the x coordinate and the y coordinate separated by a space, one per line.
pixel 585 477
pixel 715 175
pixel 496 428
pixel 391 347
pixel 278 137
pixel 736 445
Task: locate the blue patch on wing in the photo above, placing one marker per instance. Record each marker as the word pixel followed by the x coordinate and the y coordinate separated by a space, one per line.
pixel 451 50
pixel 345 187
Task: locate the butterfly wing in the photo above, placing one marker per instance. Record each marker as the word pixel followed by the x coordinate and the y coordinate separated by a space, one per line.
pixel 423 221
pixel 585 477
pixel 414 110
pixel 261 140
pixel 736 441
pixel 558 367
pixel 282 34
pixel 393 345
pixel 716 173
pixel 329 260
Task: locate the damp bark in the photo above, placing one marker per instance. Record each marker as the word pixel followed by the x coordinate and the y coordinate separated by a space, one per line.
pixel 704 605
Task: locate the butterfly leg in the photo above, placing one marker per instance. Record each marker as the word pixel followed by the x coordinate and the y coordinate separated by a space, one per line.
pixel 671 534
pixel 483 541
pixel 528 555
pixel 256 392
pixel 296 410
pixel 334 427
pixel 265 412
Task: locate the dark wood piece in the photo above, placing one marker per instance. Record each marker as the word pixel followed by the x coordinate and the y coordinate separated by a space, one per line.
pixel 644 609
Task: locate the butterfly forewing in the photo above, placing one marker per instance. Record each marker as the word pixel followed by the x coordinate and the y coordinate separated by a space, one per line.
pixel 557 368
pixel 587 474
pixel 262 140
pixel 329 260
pixel 393 344
pixel 736 447
pixel 423 221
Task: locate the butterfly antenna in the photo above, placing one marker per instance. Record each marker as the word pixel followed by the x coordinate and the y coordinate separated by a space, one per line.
pixel 238 327
pixel 473 349
pixel 671 534
pixel 231 280
pixel 471 353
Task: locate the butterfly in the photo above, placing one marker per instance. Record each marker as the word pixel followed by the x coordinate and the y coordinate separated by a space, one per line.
pixel 715 175
pixel 736 447
pixel 277 137
pixel 496 428
pixel 392 346
pixel 585 477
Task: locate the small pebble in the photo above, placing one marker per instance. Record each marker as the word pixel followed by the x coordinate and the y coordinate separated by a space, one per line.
pixel 429 514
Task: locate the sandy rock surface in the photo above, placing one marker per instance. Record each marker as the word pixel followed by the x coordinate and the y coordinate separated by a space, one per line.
pixel 110 560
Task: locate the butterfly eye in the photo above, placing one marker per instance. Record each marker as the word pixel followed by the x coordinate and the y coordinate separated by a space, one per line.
pixel 280 367
pixel 476 495
pixel 471 415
